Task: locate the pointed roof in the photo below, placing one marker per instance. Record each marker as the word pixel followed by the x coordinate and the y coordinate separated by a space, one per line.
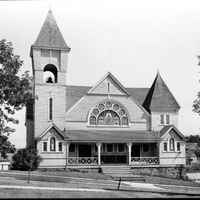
pixel 114 79
pixel 167 129
pixel 50 35
pixel 49 128
pixel 159 96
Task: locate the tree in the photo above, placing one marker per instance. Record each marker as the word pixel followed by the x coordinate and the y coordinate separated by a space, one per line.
pixel 196 103
pixel 15 93
pixel 26 159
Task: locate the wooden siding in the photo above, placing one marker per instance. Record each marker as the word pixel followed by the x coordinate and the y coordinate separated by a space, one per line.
pixel 172 157
pixel 155 117
pixel 58 93
pixel 102 88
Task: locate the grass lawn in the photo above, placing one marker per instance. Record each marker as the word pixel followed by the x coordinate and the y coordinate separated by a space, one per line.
pixel 64 175
pixel 85 180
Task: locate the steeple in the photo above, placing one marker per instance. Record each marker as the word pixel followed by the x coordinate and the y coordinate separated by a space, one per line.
pixel 50 36
pixel 159 96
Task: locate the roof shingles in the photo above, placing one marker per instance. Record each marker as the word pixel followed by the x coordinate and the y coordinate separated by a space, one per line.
pixel 159 96
pixel 50 35
pixel 112 135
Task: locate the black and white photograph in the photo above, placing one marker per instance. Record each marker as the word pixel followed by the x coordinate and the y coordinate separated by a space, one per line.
pixel 99 99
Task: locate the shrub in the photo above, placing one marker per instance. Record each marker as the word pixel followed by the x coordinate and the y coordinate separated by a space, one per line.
pixel 26 159
pixel 197 152
pixel 194 167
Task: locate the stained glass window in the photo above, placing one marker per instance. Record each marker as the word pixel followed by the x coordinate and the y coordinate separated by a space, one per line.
pixel 108 113
pixel 171 144
pixel 124 121
pixel 52 144
pixel 92 120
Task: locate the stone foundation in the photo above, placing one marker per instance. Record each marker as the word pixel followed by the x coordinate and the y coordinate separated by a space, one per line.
pixel 178 172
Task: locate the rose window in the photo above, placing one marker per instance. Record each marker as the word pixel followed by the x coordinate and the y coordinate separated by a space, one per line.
pixel 108 113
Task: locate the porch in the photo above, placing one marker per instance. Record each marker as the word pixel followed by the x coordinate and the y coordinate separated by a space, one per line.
pixel 98 154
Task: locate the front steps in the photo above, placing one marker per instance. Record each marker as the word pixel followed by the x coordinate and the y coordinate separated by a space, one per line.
pixel 116 171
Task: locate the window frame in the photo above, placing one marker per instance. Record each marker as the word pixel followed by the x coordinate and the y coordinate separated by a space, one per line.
pixel 165 144
pixel 178 150
pixel 164 119
pixel 43 145
pixel 60 143
pixel 50 149
pixel 118 148
pixel 107 148
pixel 172 149
pixel 50 109
pixel 108 109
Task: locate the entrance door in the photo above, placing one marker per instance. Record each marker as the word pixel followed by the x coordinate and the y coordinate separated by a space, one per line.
pixel 85 150
pixel 135 150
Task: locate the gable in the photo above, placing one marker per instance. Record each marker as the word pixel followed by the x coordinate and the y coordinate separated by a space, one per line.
pixel 107 89
pixel 52 132
pixel 108 86
pixel 171 131
pixel 173 134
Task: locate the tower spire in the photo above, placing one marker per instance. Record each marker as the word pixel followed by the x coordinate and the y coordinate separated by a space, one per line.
pixel 50 35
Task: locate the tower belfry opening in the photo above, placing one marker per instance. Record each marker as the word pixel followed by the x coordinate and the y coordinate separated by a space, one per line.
pixel 50 74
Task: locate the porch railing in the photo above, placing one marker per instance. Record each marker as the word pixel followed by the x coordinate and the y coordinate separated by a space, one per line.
pixel 144 160
pixel 82 161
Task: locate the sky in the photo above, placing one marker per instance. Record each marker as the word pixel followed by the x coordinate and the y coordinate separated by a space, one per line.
pixel 132 39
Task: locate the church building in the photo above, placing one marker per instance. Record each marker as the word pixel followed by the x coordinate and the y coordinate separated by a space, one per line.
pixel 105 124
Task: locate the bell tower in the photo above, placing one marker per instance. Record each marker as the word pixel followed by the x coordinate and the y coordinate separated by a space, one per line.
pixel 49 56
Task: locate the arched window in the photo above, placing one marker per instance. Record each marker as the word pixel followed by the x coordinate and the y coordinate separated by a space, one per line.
pixel 171 144
pixel 108 113
pixel 50 74
pixel 52 144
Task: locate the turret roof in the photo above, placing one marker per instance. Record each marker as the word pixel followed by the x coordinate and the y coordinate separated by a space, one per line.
pixel 50 35
pixel 159 96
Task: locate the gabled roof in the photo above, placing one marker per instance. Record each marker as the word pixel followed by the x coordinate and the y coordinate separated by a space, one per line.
pixel 48 129
pixel 159 96
pixel 50 35
pixel 139 94
pixel 166 130
pixel 109 75
pixel 75 93
pixel 112 135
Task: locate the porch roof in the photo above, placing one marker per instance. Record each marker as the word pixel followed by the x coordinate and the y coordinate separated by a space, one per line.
pixel 112 136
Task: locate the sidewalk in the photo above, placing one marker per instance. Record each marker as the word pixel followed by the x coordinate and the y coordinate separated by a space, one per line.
pixel 172 189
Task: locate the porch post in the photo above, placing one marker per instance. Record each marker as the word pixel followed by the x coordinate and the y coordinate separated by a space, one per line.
pixel 99 152
pixel 129 144
pixel 67 152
